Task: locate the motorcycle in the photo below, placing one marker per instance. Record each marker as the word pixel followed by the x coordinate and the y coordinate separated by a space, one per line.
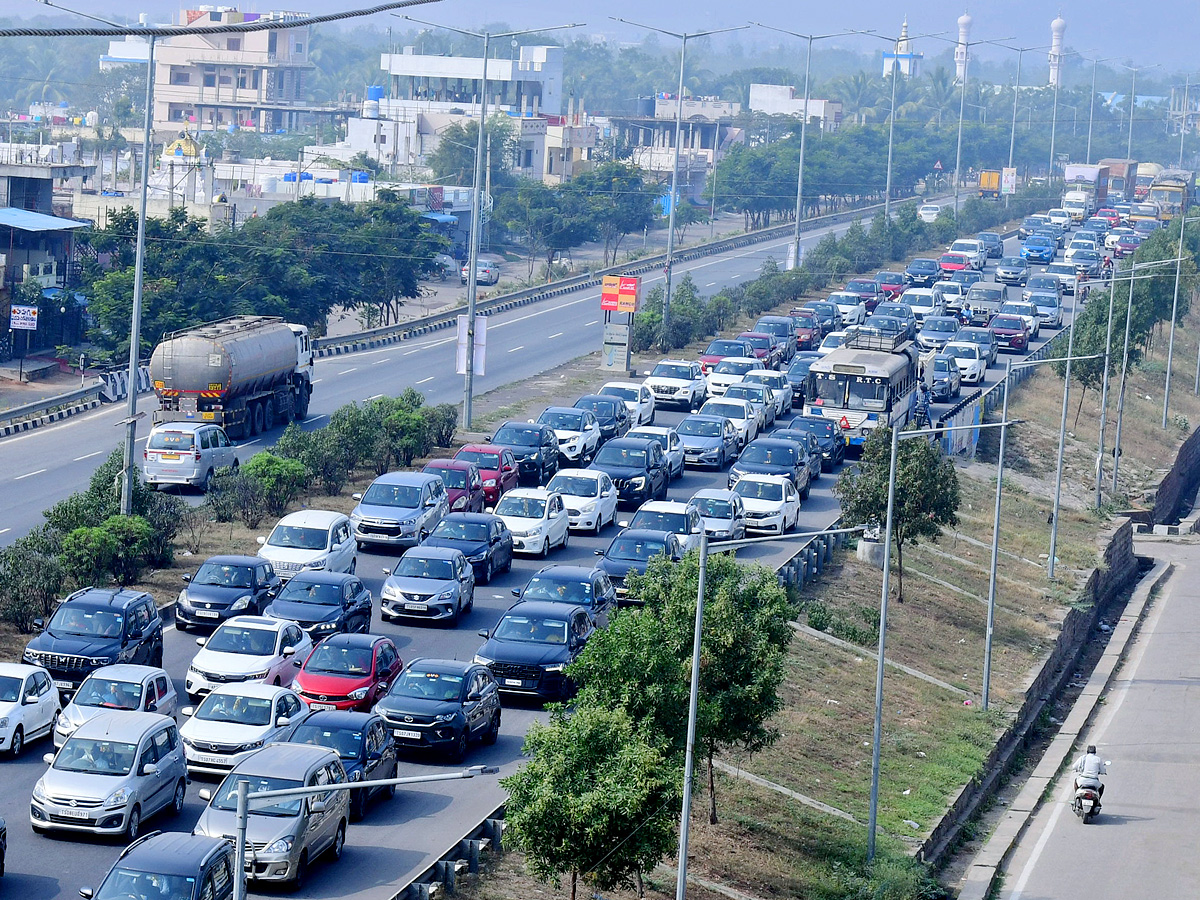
pixel 1086 804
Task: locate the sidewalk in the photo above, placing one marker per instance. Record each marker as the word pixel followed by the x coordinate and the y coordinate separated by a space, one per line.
pixel 18 393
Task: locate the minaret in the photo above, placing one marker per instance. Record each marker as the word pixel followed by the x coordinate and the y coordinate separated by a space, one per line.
pixel 1057 27
pixel 960 51
pixel 906 61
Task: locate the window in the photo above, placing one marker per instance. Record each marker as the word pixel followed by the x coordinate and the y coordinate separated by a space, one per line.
pixel 162 745
pixel 387 658
pixel 41 683
pixel 210 79
pixel 180 77
pixel 233 43
pixel 299 47
pixel 220 877
pixel 241 79
pixel 292 636
pixel 226 79
pixel 160 687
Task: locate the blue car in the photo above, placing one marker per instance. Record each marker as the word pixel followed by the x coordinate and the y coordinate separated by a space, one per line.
pixel 1039 248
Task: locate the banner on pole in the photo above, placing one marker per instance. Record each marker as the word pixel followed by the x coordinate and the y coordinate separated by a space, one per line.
pixel 480 356
pixel 23 318
pixel 1008 181
pixel 620 293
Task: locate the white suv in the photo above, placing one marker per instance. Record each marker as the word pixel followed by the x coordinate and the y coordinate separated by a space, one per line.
pixel 972 249
pixel 310 539
pixel 678 381
pixel 248 649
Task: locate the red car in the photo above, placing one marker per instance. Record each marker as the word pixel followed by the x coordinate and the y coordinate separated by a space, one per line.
pixel 497 467
pixel 891 283
pixel 954 262
pixel 720 349
pixel 1127 245
pixel 1110 215
pixel 869 291
pixel 1012 332
pixel 348 671
pixel 807 328
pixel 763 346
pixel 464 483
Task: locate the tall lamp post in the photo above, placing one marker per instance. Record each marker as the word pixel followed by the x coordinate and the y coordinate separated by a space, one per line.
pixel 1012 138
pixel 1183 115
pixel 1183 220
pixel 1092 115
pixel 1132 104
pixel 684 37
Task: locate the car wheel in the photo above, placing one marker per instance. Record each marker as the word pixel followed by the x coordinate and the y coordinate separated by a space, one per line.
pixel 179 798
pixel 277 684
pixel 358 804
pixel 390 790
pixel 566 537
pixel 157 658
pixel 339 843
pixel 493 731
pixel 652 412
pixel 804 494
pixel 545 551
pixel 18 742
pixel 489 571
pixel 459 751
pixel 134 826
pixel 206 484
pixel 300 875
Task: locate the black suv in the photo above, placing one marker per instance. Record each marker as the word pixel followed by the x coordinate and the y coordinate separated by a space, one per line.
pixel 637 467
pixel 923 272
pixel 534 446
pixel 97 627
pixel 171 864
pixel 611 413
pixel 442 705
pixel 532 645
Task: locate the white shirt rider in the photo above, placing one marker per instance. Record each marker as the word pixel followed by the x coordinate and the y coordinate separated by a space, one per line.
pixel 1088 769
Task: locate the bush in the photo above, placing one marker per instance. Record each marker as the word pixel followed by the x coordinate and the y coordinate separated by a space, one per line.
pixel 31 578
pixel 134 541
pixel 407 435
pixel 322 452
pixel 280 480
pixel 88 554
pixel 442 421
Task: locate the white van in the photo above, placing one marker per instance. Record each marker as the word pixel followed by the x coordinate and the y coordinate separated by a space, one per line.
pixel 187 453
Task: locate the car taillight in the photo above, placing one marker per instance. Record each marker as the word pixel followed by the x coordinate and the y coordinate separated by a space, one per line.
pixel 145 455
pixel 196 455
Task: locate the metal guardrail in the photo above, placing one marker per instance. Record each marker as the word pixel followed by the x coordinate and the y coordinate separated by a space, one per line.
pixel 39 408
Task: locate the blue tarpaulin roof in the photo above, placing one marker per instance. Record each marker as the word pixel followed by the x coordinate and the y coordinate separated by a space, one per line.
pixel 26 220
pixel 441 217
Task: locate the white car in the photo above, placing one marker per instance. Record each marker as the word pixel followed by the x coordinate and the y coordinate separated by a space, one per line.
pixel 577 431
pixel 121 686
pixel 589 495
pixel 672 445
pixel 1076 245
pixel 972 249
pixel 682 519
pixel 638 400
pixel 678 381
pixel 971 359
pixel 779 385
pixel 851 306
pixel 537 518
pixel 832 341
pixel 234 721
pixel 1049 308
pixel 772 502
pixel 729 371
pixel 1113 237
pixel 923 302
pixel 1067 275
pixel 248 649
pixel 928 213
pixel 310 539
pixel 1026 311
pixel 1059 217
pixel 723 513
pixel 29 704
pixel 740 412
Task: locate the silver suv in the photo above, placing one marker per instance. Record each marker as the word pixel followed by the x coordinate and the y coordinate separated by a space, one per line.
pixel 399 508
pixel 187 453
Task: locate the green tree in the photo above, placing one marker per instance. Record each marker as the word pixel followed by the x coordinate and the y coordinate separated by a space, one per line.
pixel 134 542
pixel 926 494
pixel 280 479
pixel 620 200
pixel 31 577
pixel 548 220
pixel 88 554
pixel 453 160
pixel 596 800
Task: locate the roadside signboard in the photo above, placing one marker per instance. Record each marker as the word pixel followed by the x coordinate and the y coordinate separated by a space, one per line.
pixel 615 352
pixel 23 318
pixel 479 358
pixel 620 293
pixel 1008 181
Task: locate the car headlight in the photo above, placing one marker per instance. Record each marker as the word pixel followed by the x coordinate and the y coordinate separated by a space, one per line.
pixel 104 660
pixel 390 591
pixel 183 600
pixel 194 671
pixel 724 533
pixel 3 722
pixel 489 482
pixel 241 602
pixel 325 626
pixel 638 483
pixel 478 557
pixel 119 797
pixel 251 745
pixel 555 667
pixel 283 845
pixel 445 717
pixel 535 456
pixel 358 694
pixel 482 660
pixel 587 507
pixel 460 503
pixel 39 791
pixel 256 676
pixel 446 595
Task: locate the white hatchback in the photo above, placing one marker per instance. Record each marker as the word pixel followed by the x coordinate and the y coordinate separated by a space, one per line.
pixel 121 686
pixel 537 518
pixel 638 400
pixel 248 649
pixel 589 495
pixel 740 412
pixel 310 539
pixel 928 213
pixel 970 359
pixel 851 306
pixel 729 371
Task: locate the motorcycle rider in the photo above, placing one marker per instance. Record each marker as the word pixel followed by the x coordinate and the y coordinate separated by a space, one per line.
pixel 1088 769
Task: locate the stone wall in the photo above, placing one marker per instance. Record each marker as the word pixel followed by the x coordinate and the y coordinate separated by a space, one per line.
pixel 1179 484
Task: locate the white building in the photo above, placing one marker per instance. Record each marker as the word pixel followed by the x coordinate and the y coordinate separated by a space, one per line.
pixel 782 100
pixel 533 81
pixel 906 61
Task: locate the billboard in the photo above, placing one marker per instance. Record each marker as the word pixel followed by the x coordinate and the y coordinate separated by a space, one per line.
pixel 479 357
pixel 620 293
pixel 23 318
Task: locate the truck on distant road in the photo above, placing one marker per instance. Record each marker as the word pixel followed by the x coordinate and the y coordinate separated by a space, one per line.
pixel 1122 178
pixel 1146 173
pixel 989 184
pixel 245 373
pixel 1086 189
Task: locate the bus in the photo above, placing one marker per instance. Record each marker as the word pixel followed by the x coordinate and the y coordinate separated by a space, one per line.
pixel 869 382
pixel 1172 191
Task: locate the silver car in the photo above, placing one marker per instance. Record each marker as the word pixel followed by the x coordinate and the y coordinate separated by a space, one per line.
pixel 284 838
pixel 400 509
pixel 115 771
pixel 187 453
pixel 123 686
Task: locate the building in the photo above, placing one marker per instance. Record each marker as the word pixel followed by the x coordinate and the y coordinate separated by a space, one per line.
pixel 532 81
pixel 902 58
pixel 1057 28
pixel 962 48
pixel 781 100
pixel 129 51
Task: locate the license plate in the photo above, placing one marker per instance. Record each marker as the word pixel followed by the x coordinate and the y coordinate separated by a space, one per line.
pixel 169 456
pixel 208 614
pixel 64 685
pixel 320 706
pixel 514 682
pixel 209 760
pixel 416 606
pixel 410 735
pixel 71 813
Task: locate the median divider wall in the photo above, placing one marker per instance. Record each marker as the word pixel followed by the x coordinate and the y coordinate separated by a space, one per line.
pixel 43 412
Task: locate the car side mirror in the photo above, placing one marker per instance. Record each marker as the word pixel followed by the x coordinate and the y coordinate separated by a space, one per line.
pixel 200 642
pixel 187 578
pixel 483 633
pixel 39 623
pixel 149 769
pixel 289 651
pixel 516 592
pixel 283 722
pixel 30 699
pixel 188 711
pixel 356 496
pixel 598 552
pixel 316 806
pixel 48 758
pixel 430 503
pixel 151 706
pixel 474 697
pixel 387 572
pixel 205 793
pixel 261 539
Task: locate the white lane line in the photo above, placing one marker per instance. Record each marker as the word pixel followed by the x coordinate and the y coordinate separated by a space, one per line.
pixel 710 284
pixel 7 530
pixel 556 334
pixel 318 380
pixel 380 362
pixel 312 419
pixel 348 371
pixel 372 397
pixel 515 349
pixel 429 345
pixel 88 456
pixel 29 474
pixel 424 380
pixel 248 443
pixel 593 322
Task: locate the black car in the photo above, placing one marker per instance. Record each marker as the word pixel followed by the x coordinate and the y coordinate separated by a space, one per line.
pixel 531 646
pixel 576 585
pixel 828 314
pixel 797 375
pixel 225 586
pixel 96 627
pixel 637 466
pixel 443 705
pixel 173 865
pixel 364 743
pixel 324 603
pixel 534 446
pixel 992 243
pixel 833 444
pixel 922 272
pixel 484 540
pixel 773 456
pixel 611 412
pixel 809 445
pixel 1030 225
pixel 631 551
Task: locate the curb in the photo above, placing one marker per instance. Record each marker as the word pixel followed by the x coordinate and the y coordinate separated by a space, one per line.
pixel 981 877
pixel 30 424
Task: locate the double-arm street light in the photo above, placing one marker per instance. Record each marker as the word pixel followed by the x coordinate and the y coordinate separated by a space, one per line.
pixel 1091 116
pixel 1012 138
pixel 1132 104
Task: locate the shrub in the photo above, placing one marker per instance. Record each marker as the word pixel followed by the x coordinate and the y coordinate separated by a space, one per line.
pixel 280 480
pixel 31 578
pixel 134 543
pixel 408 435
pixel 442 421
pixel 88 554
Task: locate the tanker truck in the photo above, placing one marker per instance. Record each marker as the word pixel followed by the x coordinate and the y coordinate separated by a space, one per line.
pixel 245 373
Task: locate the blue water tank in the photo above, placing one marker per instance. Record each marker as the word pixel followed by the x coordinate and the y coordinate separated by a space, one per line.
pixel 375 92
pixel 289 176
pixel 359 178
pixel 306 176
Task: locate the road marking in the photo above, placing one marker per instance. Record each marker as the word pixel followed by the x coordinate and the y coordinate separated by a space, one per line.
pixel 556 334
pixel 312 419
pixel 381 361
pixel 593 322
pixel 318 380
pixel 430 344
pixel 423 380
pixel 86 456
pixel 348 371
pixel 29 474
pixel 372 397
pixel 249 443
pixel 710 284
pixel 7 530
pixel 515 349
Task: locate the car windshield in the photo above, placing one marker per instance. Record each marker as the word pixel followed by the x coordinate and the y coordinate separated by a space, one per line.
pixel 728 410
pixel 1038 240
pixel 986 295
pixel 320 594
pixel 667 370
pixel 800 366
pixel 562 420
pixel 724 348
pixel 818 427
pixel 413 565
pixel 625 393
pixel 602 408
pixel 823 309
pixel 975 337
pixel 768 456
pixel 634 549
pixel 96 756
pixel 735 367
pixel 405 496
pixel 1044 299
pixel 759 490
pixel 940 326
pixel 171 440
pixel 758 343
pixel 1012 261
pixel 521 507
pixel 573 485
pixel 712 508
pixel 532 629
pixel 10 689
pixel 234 638
pixel 971 352
pixel 941 365
pixel 518 436
pixel 235 709
pixel 653 520
pixel 751 392
pixel 427 685
pixel 630 457
pixel 1012 323
pixel 345 742
pixel 451 478
pixel 922 265
pixel 490 461
pixel 333 660
pixel 833 340
pixel 806 321
pixel 107 693
pixel 660 439
pixel 297 537
pixel 771 379
pixel 224 575
pixel 122 884
pixel 560 590
pixel 700 428
pixel 71 618
pixel 861 285
pixel 226 795
pixel 1017 309
pixel 457 530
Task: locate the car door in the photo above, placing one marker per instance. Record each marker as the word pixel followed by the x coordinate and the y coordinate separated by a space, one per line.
pixel 341 554
pixel 476 710
pixel 730 436
pixel 166 700
pixel 294 636
pixel 356 603
pixel 558 521
pixel 509 475
pixel 226 452
pixel 500 545
pixel 157 787
pixel 139 632
pixel 317 833
pixel 48 703
pixel 387 668
pixel 792 499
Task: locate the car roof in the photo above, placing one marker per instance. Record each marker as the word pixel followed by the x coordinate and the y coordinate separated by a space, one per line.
pixel 675 362
pixel 676 506
pixel 633 443
pixel 770 441
pixel 322 518
pixel 557 570
pixel 456 464
pixel 552 608
pixel 284 759
pixel 120 725
pixel 182 426
pixel 19 670
pixel 482 448
pixel 607 398
pixel 763 476
pixel 662 430
pixel 170 852
pixel 320 576
pixel 263 622
pixel 635 385
pixel 645 534
pixel 438 552
pixel 714 494
pixel 340 718
pixel 235 560
pixel 705 417
pixel 482 518
pixel 435 664
pixel 116 671
pixel 248 689
pixel 98 596
pixel 344 639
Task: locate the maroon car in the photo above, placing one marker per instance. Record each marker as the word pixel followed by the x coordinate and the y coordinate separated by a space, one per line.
pixel 464 483
pixel 763 346
pixel 721 348
pixel 1127 245
pixel 891 283
pixel 1012 332
pixel 497 467
pixel 807 327
pixel 867 290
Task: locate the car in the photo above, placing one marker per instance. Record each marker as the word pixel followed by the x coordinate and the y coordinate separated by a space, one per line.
pixel 1049 308
pixel 970 358
pixel 442 706
pixel 399 509
pixel 830 439
pixel 678 381
pixel 1012 270
pixel 904 310
pixel 760 396
pixel 1031 224
pixel 225 586
pixel 1055 233
pixel 497 465
pixel 247 649
pixel 772 502
pixel 1123 210
pixel 119 686
pixel 867 290
pixel 928 213
pixel 740 412
pixel 722 513
pixel 324 603
pixel 363 742
pixel 113 773
pixel 943 377
pixel 348 672
pixel 807 327
pixel 322 539
pixel 1094 235
pixel 233 722
pixel 780 328
pixel 952 293
pixel 1076 246
pixel 1127 245
pixel 668 439
pixel 637 397
pixel 1114 235
pixel 1026 311
pixel 797 376
pixel 922 302
pixel 631 551
pixel 681 519
pixel 936 332
pixel 984 338
pixel 852 307
pixel 763 345
pixel 577 431
pixel 534 446
pixel 832 341
pixel 708 440
pixel 966 278
pixel 537 518
pixel 463 483
pixel 974 250
pixel 992 243
pixel 773 456
pixel 432 584
pixel 1011 331
pixel 1039 248
pixel 809 445
pixel 721 349
pixel 1146 227
pixel 589 496
pixel 486 272
pixel 96 627
pixel 530 648
pixel 637 467
pixel 984 298
pixel 730 371
pixel 780 387
pixel 828 314
pixel 1067 277
pixel 949 263
pixel 889 326
pixel 1101 222
pixel 1046 281
pixel 483 538
pixel 286 836
pixel 611 413
pixel 1060 217
pixel 922 272
pixel 29 706
pixel 891 284
pixel 187 453
pixel 1088 262
pixel 170 865
pixel 576 585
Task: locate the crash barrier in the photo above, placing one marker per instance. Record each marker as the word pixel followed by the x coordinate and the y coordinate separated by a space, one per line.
pixel 116 383
pixel 43 412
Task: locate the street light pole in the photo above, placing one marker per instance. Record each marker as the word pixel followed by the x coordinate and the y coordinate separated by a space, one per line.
pixel 991 606
pixel 1091 116
pixel 1053 130
pixel 1187 83
pixel 1183 220
pixel 689 761
pixel 1012 138
pixel 962 103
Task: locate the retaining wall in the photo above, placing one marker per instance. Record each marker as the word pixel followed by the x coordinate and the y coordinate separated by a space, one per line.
pixel 1180 483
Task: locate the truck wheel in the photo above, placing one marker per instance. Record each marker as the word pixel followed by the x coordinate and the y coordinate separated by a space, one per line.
pixel 256 419
pixel 268 408
pixel 301 402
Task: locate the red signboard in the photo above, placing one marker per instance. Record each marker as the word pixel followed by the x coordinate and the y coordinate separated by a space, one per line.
pixel 619 293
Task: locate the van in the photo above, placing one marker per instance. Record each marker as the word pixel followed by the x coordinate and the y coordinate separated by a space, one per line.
pixel 283 839
pixel 401 508
pixel 187 453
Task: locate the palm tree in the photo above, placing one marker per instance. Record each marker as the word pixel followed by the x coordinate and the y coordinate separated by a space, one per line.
pixel 859 94
pixel 941 94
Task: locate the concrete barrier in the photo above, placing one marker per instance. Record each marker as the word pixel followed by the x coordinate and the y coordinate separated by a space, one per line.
pixel 43 412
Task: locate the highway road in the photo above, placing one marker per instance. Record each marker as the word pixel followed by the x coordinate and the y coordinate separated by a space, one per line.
pixel 397 838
